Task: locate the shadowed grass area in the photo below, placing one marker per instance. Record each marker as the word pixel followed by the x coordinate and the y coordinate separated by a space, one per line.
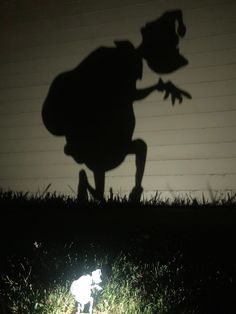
pixel 129 286
pixel 46 212
pixel 159 256
pixel 52 199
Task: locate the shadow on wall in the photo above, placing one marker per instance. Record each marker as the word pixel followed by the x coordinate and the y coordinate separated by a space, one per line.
pixel 92 105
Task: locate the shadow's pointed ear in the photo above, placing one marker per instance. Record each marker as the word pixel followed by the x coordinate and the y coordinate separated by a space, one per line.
pixel 181 30
pixel 178 16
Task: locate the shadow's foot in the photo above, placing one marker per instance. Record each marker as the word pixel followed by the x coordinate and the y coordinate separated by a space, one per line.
pixel 99 198
pixel 135 195
pixel 82 195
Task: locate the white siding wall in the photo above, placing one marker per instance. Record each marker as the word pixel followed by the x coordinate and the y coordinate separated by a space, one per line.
pixel 191 147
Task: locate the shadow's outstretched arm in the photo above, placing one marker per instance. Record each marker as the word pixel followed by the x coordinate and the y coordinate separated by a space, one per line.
pixel 144 92
pixel 169 88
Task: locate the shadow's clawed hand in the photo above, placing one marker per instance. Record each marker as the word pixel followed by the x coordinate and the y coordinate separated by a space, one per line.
pixel 175 93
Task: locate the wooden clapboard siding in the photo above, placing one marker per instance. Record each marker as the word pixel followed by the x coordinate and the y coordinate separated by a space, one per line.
pixel 195 74
pixel 164 121
pixel 159 152
pixel 154 168
pixel 178 184
pixel 165 137
pixel 191 147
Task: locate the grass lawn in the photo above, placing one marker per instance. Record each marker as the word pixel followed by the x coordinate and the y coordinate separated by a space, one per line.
pixel 156 256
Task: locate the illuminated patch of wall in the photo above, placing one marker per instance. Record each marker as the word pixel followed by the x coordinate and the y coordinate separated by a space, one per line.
pixel 191 147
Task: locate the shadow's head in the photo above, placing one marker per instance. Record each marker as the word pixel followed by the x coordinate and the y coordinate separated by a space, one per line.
pixel 160 40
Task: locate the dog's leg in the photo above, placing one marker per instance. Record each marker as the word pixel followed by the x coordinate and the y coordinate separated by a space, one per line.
pixel 91 305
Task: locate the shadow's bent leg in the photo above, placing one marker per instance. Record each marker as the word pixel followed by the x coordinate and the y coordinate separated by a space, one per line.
pixel 99 178
pixel 84 186
pixel 82 193
pixel 139 148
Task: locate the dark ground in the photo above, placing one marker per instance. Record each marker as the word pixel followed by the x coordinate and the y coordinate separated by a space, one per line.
pixel 204 237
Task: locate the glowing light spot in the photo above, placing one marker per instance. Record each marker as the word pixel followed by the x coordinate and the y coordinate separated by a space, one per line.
pixel 81 289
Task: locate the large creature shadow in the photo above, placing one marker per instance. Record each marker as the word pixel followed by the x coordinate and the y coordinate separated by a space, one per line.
pixel 92 105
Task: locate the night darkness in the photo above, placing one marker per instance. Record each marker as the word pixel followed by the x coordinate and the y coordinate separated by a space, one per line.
pixel 118 154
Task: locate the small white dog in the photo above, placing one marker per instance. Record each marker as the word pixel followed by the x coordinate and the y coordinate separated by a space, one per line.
pixel 81 289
